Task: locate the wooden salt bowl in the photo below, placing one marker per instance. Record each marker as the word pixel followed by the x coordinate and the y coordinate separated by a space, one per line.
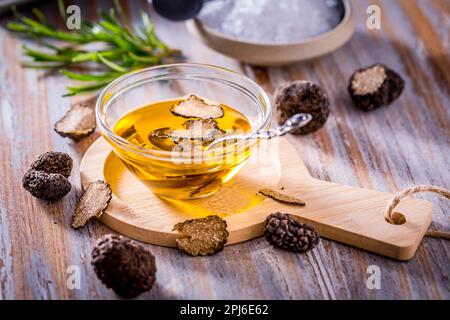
pixel 276 54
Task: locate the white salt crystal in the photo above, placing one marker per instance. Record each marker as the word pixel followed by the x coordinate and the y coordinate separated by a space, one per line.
pixel 271 21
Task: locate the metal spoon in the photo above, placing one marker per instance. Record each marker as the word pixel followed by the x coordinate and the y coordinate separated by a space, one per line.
pixel 296 121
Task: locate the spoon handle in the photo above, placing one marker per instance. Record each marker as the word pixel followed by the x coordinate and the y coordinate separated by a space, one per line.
pixel 296 121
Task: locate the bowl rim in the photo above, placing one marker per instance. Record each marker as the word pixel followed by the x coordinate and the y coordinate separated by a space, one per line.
pixel 345 19
pixel 162 154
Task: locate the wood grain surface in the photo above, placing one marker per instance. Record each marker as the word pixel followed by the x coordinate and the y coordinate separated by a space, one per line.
pixel 388 149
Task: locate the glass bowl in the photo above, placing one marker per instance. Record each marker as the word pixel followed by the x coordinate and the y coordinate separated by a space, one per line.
pixel 177 175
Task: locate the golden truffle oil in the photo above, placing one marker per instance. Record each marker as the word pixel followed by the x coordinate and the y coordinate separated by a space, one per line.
pixel 177 133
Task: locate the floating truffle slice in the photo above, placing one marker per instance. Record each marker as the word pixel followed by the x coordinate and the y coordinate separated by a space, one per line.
pixel 188 149
pixel 203 130
pixel 281 197
pixel 195 131
pixel 92 203
pixel 46 186
pixel 161 139
pixel 123 265
pixel 79 122
pixel 203 236
pixel 375 86
pixel 197 107
pixel 282 230
pixel 302 97
pixel 131 135
pixel 54 162
pixel 161 133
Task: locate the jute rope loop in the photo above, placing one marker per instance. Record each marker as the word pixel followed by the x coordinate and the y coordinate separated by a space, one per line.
pixel 390 215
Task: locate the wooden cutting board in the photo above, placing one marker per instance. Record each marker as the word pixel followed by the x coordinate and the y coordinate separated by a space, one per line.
pixel 350 215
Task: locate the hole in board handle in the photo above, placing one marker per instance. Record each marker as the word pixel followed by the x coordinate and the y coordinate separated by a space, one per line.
pixel 398 218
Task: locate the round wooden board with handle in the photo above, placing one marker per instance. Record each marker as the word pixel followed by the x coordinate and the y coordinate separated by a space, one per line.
pixel 354 216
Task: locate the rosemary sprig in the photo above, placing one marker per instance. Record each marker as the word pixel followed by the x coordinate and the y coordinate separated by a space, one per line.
pixel 123 47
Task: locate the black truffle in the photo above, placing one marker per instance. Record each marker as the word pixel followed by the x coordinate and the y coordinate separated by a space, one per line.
pixel 54 162
pixel 123 265
pixel 375 86
pixel 46 186
pixel 282 230
pixel 302 97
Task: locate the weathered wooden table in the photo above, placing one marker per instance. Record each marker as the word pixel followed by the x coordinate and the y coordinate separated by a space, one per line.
pixel 388 149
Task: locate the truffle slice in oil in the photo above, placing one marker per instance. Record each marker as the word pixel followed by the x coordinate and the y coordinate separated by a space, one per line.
pixel 131 135
pixel 161 139
pixel 197 107
pixel 198 129
pixel 203 236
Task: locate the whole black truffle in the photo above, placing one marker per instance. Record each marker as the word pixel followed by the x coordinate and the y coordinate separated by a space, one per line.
pixel 123 265
pixel 282 230
pixel 375 86
pixel 46 186
pixel 302 97
pixel 54 162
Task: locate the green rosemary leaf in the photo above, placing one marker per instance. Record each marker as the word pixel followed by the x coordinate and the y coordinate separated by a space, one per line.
pixel 148 59
pixel 122 15
pixel 16 26
pixel 110 26
pixel 89 77
pixel 40 30
pixel 111 65
pixel 42 65
pixel 93 56
pixel 42 56
pixel 85 56
pixel 37 26
pixel 51 46
pixel 87 88
pixel 122 43
pixel 62 10
pixel 15 12
pixel 40 16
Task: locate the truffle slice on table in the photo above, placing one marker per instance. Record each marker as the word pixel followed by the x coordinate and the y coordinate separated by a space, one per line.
pixel 79 122
pixel 375 86
pixel 92 203
pixel 197 107
pixel 54 162
pixel 123 265
pixel 302 96
pixel 203 236
pixel 281 197
pixel 46 186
